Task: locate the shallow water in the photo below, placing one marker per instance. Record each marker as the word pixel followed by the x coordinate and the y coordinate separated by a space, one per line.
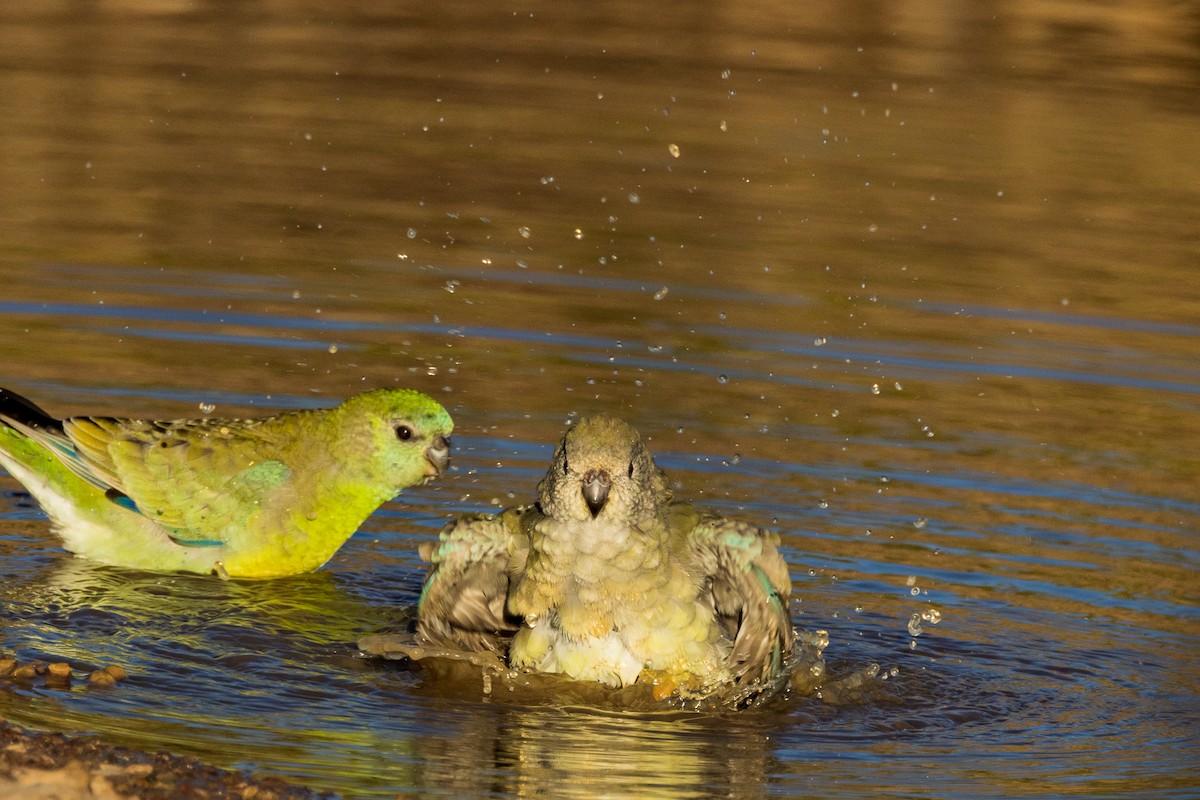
pixel 916 290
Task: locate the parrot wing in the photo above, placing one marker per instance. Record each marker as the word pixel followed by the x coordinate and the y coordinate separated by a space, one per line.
pixel 199 480
pixel 747 582
pixel 472 564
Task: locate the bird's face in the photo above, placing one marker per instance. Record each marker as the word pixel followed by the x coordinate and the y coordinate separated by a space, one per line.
pixel 603 471
pixel 410 435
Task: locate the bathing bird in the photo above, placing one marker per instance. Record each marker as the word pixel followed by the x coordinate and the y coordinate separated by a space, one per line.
pixel 253 498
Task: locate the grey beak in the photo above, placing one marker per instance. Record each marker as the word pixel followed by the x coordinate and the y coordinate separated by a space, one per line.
pixel 596 484
pixel 438 455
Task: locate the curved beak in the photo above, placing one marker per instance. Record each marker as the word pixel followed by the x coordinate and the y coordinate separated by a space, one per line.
pixel 438 456
pixel 596 484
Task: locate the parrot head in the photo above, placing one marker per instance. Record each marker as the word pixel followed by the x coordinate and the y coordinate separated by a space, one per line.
pixel 603 471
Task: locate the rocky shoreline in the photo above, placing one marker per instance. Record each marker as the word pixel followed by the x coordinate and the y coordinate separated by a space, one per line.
pixel 35 765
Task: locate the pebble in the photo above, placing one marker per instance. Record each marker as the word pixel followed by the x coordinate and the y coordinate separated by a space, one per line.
pixel 101 679
pixel 58 675
pixel 25 672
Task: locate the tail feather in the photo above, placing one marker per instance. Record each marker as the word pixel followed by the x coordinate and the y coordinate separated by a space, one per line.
pixel 23 416
pixel 21 413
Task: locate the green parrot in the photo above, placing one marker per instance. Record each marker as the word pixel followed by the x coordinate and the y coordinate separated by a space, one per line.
pixel 607 579
pixel 252 498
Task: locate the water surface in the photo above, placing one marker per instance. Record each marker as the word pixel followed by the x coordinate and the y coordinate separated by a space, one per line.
pixel 915 287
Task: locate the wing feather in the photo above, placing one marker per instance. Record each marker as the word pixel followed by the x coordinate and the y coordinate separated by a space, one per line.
pixel 197 479
pixel 748 585
pixel 466 589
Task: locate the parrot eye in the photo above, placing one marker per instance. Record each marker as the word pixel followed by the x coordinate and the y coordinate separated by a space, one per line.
pixel 404 433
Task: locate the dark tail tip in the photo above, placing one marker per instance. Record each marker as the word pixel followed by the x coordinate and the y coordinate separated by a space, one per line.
pixel 17 408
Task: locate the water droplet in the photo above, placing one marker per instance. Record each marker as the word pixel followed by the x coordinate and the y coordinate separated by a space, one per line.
pixel 820 340
pixel 412 233
pixel 673 149
pixel 920 523
pixel 332 348
pixel 736 458
pixel 634 198
pixel 207 408
pixel 823 504
pixel 932 616
pixel 531 620
pixel 661 293
pixel 722 379
pixel 578 233
pixel 914 625
pixel 547 180
pixel 451 286
pixel 524 231
pixel 296 294
pixel 874 388
pixel 914 591
pixel 911 580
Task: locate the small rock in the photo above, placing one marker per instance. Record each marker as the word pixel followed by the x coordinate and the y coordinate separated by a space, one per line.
pixel 58 674
pixel 118 673
pixel 25 672
pixel 101 680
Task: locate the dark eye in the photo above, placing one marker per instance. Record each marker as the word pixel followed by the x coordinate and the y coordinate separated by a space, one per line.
pixel 404 433
pixel 631 469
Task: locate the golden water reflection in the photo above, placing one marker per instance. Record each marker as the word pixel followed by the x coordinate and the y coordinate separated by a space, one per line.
pixel 912 284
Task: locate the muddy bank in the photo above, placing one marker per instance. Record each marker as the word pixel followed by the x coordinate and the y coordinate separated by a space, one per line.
pixel 46 766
